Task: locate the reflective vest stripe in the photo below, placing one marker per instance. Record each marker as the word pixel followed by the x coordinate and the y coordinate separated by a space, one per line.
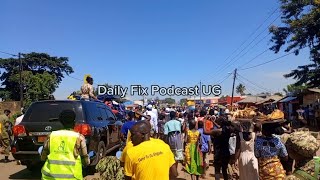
pixel 61 162
pixel 69 176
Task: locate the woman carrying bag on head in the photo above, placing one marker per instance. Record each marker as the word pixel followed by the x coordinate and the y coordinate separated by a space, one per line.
pixel 268 149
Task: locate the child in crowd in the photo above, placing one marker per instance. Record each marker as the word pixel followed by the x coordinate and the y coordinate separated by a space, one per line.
pixel 205 144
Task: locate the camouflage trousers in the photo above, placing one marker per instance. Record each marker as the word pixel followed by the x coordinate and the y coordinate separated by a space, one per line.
pixel 5 149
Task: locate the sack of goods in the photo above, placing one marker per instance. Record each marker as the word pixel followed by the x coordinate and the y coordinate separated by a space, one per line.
pixel 303 143
pixel 109 168
pixel 302 147
pixel 276 114
pixel 245 113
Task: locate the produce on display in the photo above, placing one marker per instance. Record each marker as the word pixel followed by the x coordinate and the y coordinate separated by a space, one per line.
pixel 109 168
pixel 276 114
pixel 251 112
pixel 303 143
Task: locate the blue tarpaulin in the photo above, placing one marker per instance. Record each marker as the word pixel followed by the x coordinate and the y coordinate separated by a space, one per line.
pixel 287 99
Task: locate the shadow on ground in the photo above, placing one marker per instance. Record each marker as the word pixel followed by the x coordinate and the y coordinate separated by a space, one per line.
pixel 36 174
pixel 26 174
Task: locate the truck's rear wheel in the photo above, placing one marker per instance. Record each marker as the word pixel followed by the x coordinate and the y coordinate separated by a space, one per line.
pixel 100 153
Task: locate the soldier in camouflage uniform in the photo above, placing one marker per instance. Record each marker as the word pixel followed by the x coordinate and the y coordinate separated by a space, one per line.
pixel 5 135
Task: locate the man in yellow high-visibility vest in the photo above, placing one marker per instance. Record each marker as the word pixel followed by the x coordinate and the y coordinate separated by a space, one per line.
pixel 65 151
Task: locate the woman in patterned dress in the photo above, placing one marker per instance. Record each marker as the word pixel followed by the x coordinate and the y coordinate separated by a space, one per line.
pixel 193 155
pixel 268 149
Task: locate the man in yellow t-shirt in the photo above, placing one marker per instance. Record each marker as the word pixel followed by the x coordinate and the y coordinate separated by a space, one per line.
pixel 130 145
pixel 148 159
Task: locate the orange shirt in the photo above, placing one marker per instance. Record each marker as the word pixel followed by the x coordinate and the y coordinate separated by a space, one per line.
pixel 209 125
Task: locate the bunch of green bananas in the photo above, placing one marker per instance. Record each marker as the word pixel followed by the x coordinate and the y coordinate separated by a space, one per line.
pixel 109 168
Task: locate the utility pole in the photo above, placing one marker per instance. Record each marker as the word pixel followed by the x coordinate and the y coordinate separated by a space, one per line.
pixel 20 80
pixel 234 80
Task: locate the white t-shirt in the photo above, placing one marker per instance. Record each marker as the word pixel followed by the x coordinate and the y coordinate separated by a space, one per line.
pixel 232 144
pixel 153 120
pixel 181 120
pixel 155 111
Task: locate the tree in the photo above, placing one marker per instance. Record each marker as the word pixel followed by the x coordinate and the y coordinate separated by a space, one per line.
pixel 292 89
pixel 301 30
pixel 169 101
pixel 41 76
pixel 105 84
pixel 183 101
pixel 38 86
pixel 240 89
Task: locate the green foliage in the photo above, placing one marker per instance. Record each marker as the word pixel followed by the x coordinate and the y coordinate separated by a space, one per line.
pixel 301 29
pixel 293 89
pixel 183 101
pixel 41 76
pixel 240 89
pixel 96 89
pixel 14 117
pixel 169 101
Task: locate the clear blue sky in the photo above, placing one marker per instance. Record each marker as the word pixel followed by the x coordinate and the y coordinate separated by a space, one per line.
pixel 147 42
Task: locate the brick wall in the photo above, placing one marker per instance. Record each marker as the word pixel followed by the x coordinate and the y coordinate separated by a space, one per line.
pixel 13 106
pixel 310 98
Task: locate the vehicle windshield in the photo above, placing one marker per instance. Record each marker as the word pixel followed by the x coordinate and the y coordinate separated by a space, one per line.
pixel 49 111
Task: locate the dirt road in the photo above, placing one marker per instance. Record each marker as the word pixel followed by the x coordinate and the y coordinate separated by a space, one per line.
pixel 13 171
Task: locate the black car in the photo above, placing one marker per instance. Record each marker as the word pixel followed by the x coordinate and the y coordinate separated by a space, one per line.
pixel 94 120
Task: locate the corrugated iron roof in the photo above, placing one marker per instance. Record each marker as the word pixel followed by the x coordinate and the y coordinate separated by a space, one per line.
pixel 275 99
pixel 314 90
pixel 251 99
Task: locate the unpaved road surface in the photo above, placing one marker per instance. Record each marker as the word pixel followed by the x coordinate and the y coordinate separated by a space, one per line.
pixel 13 171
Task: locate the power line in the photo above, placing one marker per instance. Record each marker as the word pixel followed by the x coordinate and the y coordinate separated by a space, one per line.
pixel 246 85
pixel 254 58
pixel 270 15
pixel 255 84
pixel 8 53
pixel 75 78
pixel 234 59
pixel 78 79
pixel 266 62
pixel 225 78
pixel 221 66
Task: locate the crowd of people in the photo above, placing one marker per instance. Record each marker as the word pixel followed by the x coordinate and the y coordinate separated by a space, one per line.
pixel 246 150
pixel 157 140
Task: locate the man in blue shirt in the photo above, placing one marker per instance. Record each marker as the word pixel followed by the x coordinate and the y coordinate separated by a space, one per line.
pixel 127 125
